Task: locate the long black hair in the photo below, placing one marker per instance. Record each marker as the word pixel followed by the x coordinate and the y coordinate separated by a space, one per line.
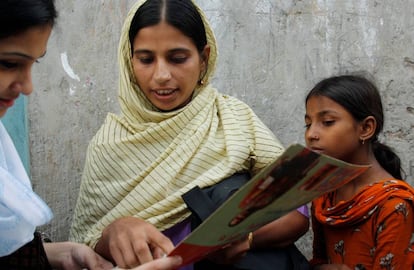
pixel 16 16
pixel 182 14
pixel 361 98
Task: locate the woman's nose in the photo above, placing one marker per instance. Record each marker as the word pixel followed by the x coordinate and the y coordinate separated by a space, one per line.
pixel 162 72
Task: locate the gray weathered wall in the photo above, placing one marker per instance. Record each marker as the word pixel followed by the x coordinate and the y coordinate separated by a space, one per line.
pixel 271 53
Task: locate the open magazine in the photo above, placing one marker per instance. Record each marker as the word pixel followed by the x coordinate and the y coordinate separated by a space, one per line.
pixel 297 177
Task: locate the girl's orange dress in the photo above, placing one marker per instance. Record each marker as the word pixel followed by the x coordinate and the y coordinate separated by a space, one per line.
pixel 373 230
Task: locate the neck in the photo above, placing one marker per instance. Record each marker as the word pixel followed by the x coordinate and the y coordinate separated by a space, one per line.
pixel 373 174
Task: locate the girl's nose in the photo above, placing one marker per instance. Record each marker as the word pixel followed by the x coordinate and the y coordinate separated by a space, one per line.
pixel 23 83
pixel 312 134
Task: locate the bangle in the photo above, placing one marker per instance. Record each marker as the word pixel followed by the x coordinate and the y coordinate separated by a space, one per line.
pixel 250 239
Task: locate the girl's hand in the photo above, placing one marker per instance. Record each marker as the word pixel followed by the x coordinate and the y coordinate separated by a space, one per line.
pixel 74 256
pixel 231 253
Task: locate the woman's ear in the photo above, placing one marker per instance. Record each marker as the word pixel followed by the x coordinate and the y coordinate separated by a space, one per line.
pixel 368 128
pixel 205 55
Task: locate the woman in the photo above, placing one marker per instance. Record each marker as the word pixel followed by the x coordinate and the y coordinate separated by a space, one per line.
pixel 367 223
pixel 25 27
pixel 175 132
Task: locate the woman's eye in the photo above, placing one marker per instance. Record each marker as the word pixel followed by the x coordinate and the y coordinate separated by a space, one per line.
pixel 146 60
pixel 178 59
pixel 307 126
pixel 8 64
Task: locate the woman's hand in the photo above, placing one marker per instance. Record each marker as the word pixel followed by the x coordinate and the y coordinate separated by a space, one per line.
pixel 130 242
pixel 231 253
pixel 74 256
pixel 167 263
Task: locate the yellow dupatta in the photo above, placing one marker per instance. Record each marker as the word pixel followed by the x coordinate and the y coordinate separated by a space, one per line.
pixel 140 162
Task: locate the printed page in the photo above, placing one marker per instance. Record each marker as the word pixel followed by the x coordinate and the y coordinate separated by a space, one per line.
pixel 294 179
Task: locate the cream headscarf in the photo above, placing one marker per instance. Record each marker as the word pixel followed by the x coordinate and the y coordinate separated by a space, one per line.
pixel 140 162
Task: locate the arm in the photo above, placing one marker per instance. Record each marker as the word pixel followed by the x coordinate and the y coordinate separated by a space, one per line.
pixel 281 232
pixel 131 241
pixel 70 255
pixel 395 228
pixel 277 234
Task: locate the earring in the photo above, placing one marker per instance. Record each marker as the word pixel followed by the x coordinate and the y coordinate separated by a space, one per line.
pixel 363 141
pixel 201 82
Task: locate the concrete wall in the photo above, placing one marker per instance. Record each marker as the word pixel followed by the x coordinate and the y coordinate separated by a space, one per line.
pixel 271 53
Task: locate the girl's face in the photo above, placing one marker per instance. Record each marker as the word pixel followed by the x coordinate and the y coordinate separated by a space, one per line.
pixel 331 129
pixel 17 55
pixel 167 65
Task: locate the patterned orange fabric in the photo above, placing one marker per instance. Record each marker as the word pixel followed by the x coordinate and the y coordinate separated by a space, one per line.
pixel 373 230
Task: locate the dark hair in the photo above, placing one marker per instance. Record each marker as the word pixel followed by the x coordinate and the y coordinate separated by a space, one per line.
pixel 361 98
pixel 17 16
pixel 182 14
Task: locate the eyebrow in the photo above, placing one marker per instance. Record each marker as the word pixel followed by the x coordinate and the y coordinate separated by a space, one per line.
pixel 22 55
pixel 322 113
pixel 170 51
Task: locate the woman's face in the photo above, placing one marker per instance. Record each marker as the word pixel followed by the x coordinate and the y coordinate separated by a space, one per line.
pixel 331 129
pixel 167 65
pixel 17 55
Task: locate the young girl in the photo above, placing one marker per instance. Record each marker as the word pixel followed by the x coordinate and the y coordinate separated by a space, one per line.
pixel 367 223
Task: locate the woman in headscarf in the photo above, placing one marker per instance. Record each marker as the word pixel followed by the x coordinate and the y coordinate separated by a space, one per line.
pixel 175 132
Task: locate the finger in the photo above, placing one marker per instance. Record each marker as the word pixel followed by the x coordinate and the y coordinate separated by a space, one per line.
pixel 166 263
pixel 143 252
pixel 101 264
pixel 94 262
pixel 159 240
pixel 124 257
pixel 158 253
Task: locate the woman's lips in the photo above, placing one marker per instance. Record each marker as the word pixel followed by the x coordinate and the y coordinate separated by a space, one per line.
pixel 7 102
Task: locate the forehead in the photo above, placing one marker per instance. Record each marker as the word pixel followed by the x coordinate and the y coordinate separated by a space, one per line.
pixel 162 36
pixel 32 42
pixel 321 105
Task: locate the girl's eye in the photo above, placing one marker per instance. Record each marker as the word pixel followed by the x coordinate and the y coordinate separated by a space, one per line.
pixel 328 122
pixel 8 65
pixel 307 126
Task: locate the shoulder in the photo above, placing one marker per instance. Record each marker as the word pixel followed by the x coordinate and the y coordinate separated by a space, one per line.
pixel 396 208
pixel 234 102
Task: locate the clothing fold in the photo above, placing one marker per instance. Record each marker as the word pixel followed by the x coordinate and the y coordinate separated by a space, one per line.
pixel 21 209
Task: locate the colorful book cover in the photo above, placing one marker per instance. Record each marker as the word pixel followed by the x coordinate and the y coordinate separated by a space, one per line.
pixel 297 177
